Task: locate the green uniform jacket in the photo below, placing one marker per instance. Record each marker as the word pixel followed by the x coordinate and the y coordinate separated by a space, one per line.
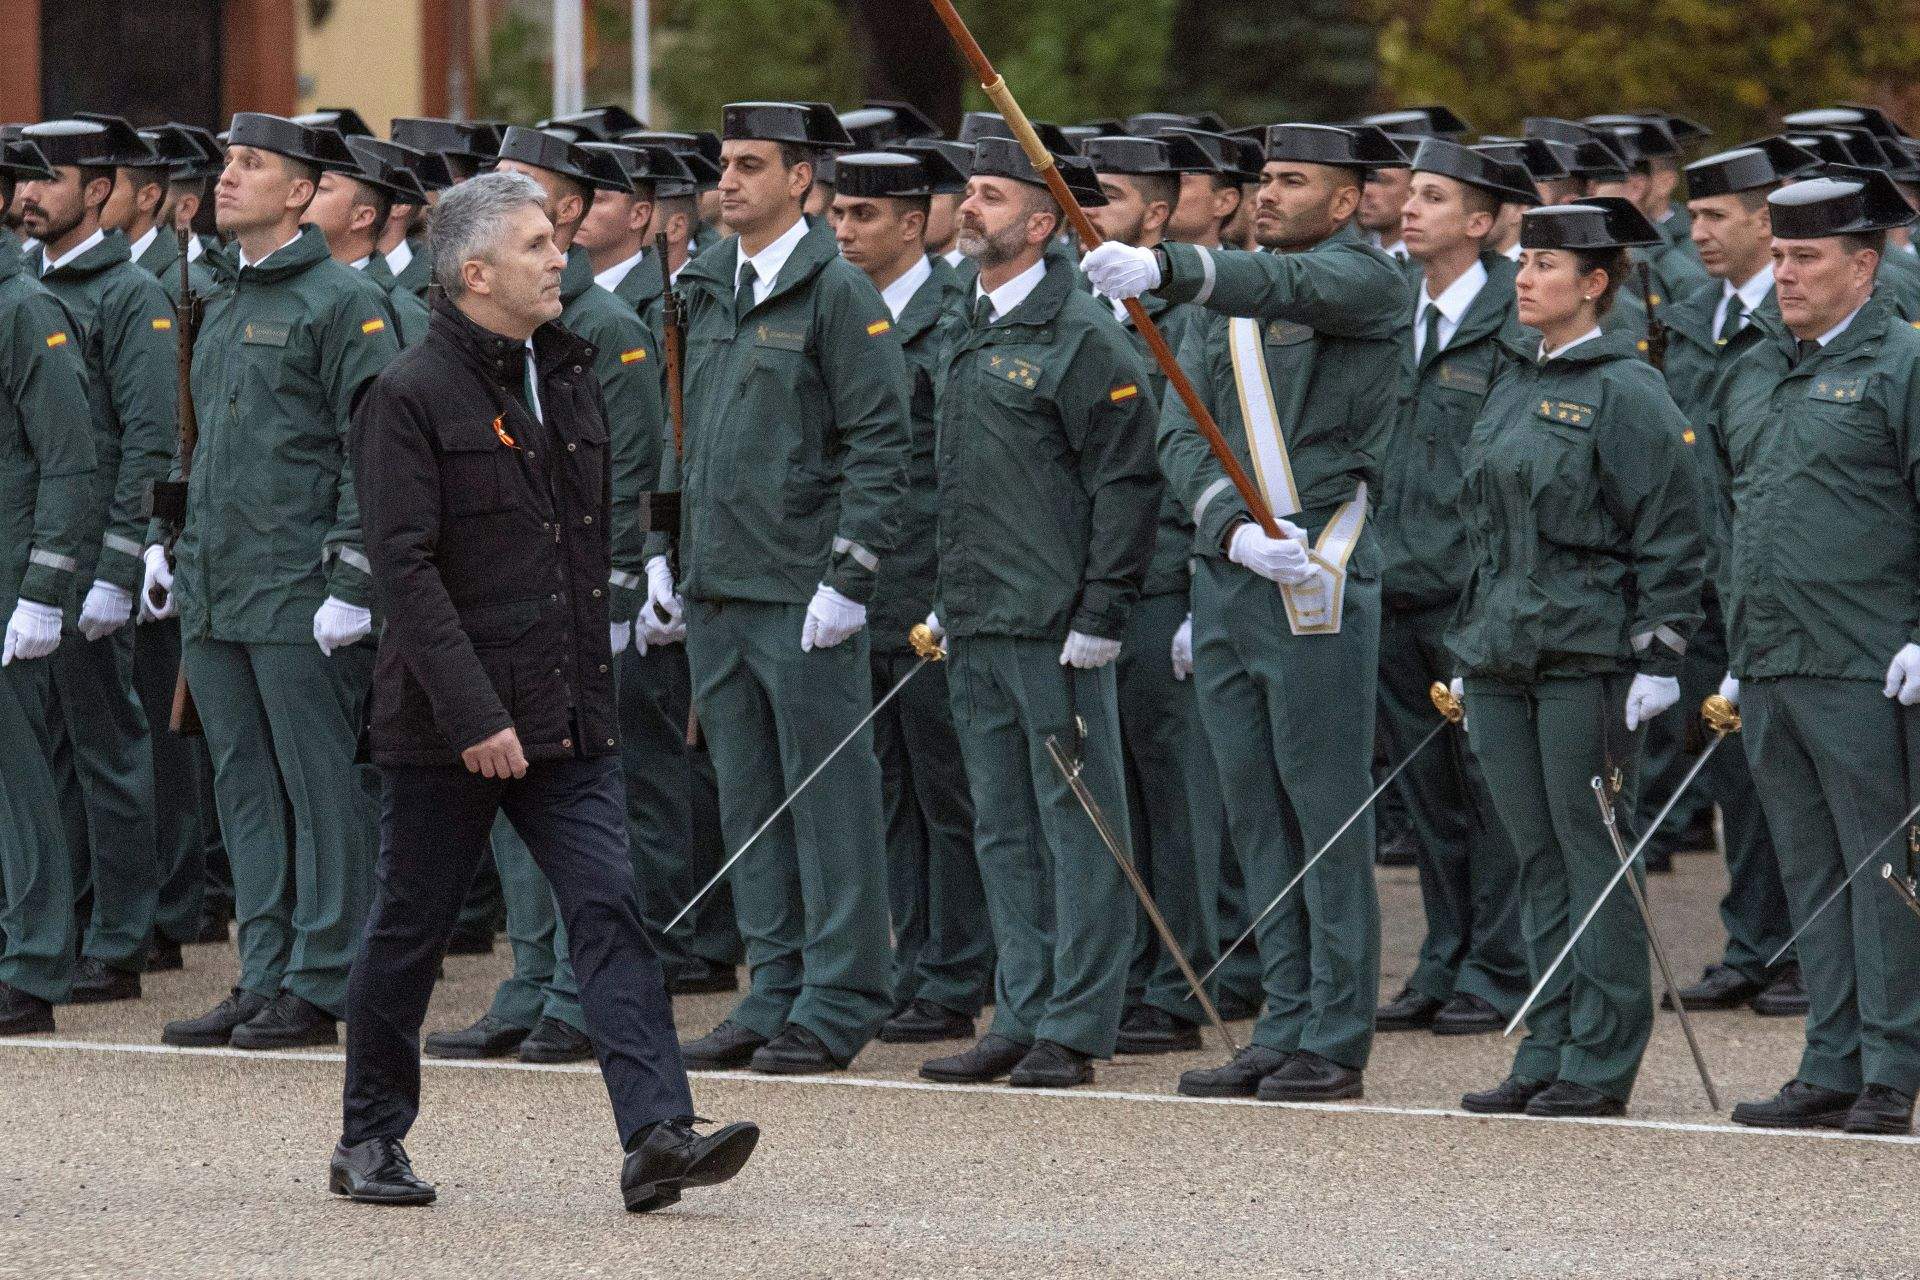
pixel 1334 315
pixel 162 260
pixel 126 334
pixel 220 260
pixel 1423 539
pixel 273 527
pixel 418 273
pixel 627 362
pixel 1048 487
pixel 1582 521
pixel 796 432
pixel 642 289
pixel 409 312
pixel 1674 264
pixel 1898 283
pixel 46 450
pixel 1173 533
pixel 1822 574
pixel 903 590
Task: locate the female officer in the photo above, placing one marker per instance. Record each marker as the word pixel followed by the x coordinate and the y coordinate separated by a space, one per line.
pixel 1587 566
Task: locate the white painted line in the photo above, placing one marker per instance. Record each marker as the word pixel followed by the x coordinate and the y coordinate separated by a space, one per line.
pixel 929 1086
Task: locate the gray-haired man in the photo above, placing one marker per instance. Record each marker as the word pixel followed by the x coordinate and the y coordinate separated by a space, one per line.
pixel 485 484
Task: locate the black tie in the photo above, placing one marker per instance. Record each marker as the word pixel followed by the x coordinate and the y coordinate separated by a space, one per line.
pixel 743 296
pixel 983 312
pixel 1734 321
pixel 1430 344
pixel 1806 348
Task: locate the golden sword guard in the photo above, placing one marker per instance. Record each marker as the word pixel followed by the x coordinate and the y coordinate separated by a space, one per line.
pixel 924 645
pixel 1454 709
pixel 1721 715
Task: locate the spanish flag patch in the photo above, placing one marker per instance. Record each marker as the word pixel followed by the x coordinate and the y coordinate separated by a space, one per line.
pixel 1127 392
pixel 628 357
pixel 56 339
pixel 373 326
pixel 878 327
pixel 162 324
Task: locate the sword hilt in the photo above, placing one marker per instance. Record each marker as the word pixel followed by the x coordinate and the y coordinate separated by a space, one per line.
pixel 1721 715
pixel 924 645
pixel 1454 709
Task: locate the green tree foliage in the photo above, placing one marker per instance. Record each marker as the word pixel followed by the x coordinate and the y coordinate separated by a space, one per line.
pixel 1257 62
pixel 1734 66
pixel 712 52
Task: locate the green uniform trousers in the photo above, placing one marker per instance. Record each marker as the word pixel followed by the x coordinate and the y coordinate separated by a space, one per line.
pixel 186 829
pixel 1174 805
pixel 1237 987
pixel 1541 746
pixel 1291 720
pixel 37 925
pixel 103 765
pixel 1664 761
pixel 942 940
pixel 282 722
pixel 811 895
pixel 1832 760
pixel 1469 879
pixel 1061 910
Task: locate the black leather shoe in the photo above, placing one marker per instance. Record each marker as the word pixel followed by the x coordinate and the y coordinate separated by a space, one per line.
pixel 1798 1105
pixel 97 982
pixel 1880 1109
pixel 1408 1011
pixel 22 1013
pixel 554 1041
pixel 1466 1015
pixel 163 955
pixel 706 978
pixel 796 1051
pixel 1508 1098
pixel 1785 996
pixel 215 1026
pixel 1232 1008
pixel 992 1058
pixel 923 1022
pixel 1146 1029
pixel 1402 850
pixel 288 1022
pixel 1308 1077
pixel 1720 987
pixel 376 1171
pixel 1238 1078
pixel 475 940
pixel 726 1046
pixel 488 1038
pixel 1565 1098
pixel 666 1157
pixel 1051 1066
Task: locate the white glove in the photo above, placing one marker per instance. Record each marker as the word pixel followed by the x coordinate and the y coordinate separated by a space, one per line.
pixel 1730 689
pixel 1282 560
pixel 662 599
pixel 1183 650
pixel 1650 695
pixel 620 635
pixel 1903 675
pixel 32 632
pixel 1087 652
pixel 106 610
pixel 1458 688
pixel 159 582
pixel 337 624
pixel 933 625
pixel 831 618
pixel 1120 270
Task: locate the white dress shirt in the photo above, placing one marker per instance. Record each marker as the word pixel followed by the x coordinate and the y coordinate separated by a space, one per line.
pixel 1752 294
pixel 1452 305
pixel 244 262
pixel 1841 328
pixel 953 257
pixel 56 263
pixel 399 256
pixel 138 248
pixel 766 264
pixel 610 278
pixel 1557 352
pixel 1013 292
pixel 898 294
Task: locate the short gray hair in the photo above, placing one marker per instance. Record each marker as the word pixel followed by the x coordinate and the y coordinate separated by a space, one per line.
pixel 470 220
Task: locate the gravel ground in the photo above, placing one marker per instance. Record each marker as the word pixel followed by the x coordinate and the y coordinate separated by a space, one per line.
pixel 119 1162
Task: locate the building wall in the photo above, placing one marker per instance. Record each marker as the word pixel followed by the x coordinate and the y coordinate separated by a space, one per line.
pixel 366 55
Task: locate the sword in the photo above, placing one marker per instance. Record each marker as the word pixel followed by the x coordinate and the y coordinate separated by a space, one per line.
pixel 1901 885
pixel 1452 712
pixel 921 638
pixel 1721 717
pixel 1070 769
pixel 1842 886
pixel 1603 796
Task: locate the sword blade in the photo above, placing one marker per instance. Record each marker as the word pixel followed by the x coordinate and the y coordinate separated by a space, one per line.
pixel 1653 939
pixel 1071 772
pixel 793 795
pixel 1842 886
pixel 1319 853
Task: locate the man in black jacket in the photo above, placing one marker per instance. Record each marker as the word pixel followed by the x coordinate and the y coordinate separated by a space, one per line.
pixel 487 484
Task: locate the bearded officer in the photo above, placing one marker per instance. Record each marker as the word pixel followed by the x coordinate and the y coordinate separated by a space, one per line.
pixel 1286 645
pixel 101 746
pixel 273 591
pixel 1821 418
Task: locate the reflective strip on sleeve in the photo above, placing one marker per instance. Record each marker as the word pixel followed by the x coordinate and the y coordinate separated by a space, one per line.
pixel 861 556
pixel 1207 278
pixel 53 560
pixel 1212 492
pixel 125 546
pixel 352 555
pixel 630 581
pixel 1665 635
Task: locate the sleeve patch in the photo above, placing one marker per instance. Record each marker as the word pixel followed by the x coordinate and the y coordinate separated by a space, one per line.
pixel 373 326
pixel 1127 392
pixel 162 323
pixel 878 327
pixel 628 357
pixel 1687 437
pixel 56 339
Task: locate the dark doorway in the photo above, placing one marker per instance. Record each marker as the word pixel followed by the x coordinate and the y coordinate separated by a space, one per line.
pixel 149 63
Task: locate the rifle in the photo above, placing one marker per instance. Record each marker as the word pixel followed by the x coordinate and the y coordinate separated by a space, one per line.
pixel 170 496
pixel 662 510
pixel 1656 327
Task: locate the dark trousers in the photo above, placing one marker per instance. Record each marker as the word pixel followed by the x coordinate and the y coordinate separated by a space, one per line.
pixel 433 832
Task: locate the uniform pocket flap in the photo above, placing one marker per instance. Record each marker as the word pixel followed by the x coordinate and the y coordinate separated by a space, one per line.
pixel 463 433
pixel 499 624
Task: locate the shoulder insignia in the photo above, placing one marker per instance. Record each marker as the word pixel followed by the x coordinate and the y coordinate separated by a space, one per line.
pixel 373 326
pixel 629 357
pixel 1574 415
pixel 56 339
pixel 162 323
pixel 1127 392
pixel 1838 390
pixel 878 327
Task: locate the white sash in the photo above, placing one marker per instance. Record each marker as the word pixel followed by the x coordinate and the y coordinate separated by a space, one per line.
pixel 1314 606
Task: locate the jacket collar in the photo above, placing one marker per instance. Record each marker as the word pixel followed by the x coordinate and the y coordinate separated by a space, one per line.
pixel 578 277
pixel 930 302
pixel 1862 337
pixel 719 266
pixel 498 355
pixel 12 260
pixel 1039 307
pixel 110 252
pixel 643 284
pixel 1490 312
pixel 307 251
pixel 1608 347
